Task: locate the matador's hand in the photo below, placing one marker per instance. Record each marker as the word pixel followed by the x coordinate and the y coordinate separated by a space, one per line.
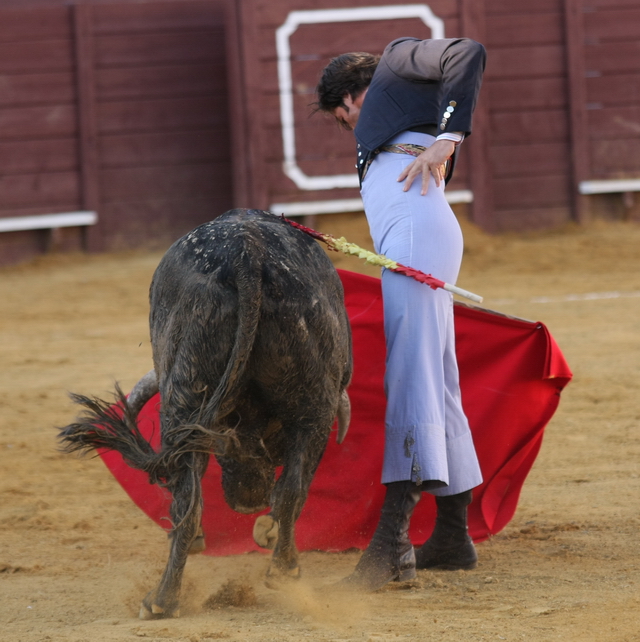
pixel 430 163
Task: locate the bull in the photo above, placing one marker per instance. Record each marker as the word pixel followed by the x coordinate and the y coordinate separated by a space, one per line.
pixel 252 357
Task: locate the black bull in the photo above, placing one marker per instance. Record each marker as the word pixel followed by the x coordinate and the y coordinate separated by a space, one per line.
pixel 252 354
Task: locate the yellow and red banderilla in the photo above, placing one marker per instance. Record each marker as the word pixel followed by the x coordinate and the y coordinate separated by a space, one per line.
pixel 342 245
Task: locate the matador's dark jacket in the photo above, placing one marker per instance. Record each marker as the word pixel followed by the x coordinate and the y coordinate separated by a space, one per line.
pixel 419 83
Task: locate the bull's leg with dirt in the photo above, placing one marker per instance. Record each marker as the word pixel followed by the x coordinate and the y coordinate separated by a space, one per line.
pixel 277 529
pixel 186 514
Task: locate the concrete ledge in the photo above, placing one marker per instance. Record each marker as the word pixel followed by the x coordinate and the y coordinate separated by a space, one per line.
pixel 47 221
pixel 611 186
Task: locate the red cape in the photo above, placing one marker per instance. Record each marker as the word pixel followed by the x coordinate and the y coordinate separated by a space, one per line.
pixel 511 374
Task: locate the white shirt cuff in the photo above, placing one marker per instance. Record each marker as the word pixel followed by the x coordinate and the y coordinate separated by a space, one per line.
pixel 455 137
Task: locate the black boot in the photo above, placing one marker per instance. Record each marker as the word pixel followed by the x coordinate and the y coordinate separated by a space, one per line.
pixel 449 547
pixel 390 555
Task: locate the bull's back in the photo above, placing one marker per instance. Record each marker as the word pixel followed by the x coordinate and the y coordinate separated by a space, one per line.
pixel 206 262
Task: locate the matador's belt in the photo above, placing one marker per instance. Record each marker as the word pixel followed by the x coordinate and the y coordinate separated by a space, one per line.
pixel 400 148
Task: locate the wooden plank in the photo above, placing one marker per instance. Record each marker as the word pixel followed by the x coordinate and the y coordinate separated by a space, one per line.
pixel 326 141
pixel 579 151
pixel 513 127
pixel 614 122
pixel 87 125
pixel 10 212
pixel 619 57
pixel 159 222
pixel 269 88
pixel 530 192
pixel 303 114
pixel 162 114
pixel 461 182
pixel 168 148
pixel 157 16
pixel 240 109
pixel 337 161
pixel 21 246
pixel 615 158
pixel 155 49
pixel 31 156
pixel 529 94
pixel 200 101
pixel 476 148
pixel 521 219
pixel 162 81
pixel 18 247
pixel 289 193
pixel 19 24
pixel 37 89
pixel 253 78
pixel 173 181
pixel 532 61
pixel 618 89
pixel 599 5
pixel 184 213
pixel 29 123
pixel 612 24
pixel 313 144
pixel 524 30
pixel 514 7
pixel 322 166
pixel 272 14
pixel 528 159
pixel 53 190
pixel 36 57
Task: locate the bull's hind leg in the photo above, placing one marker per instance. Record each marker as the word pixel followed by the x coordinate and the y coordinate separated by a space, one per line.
pixel 304 451
pixel 186 514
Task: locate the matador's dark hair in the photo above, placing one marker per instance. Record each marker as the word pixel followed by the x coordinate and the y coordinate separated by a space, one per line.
pixel 347 74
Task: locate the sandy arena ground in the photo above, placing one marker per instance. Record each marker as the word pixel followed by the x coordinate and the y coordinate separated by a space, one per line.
pixel 76 556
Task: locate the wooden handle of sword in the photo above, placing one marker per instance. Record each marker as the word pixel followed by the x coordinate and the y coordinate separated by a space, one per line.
pixel 465 293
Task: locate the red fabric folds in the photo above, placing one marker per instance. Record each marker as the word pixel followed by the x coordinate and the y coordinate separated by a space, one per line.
pixel 512 373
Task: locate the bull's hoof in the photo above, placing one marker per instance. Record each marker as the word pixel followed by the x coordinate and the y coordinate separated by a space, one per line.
pixel 155 613
pixel 279 578
pixel 265 531
pixel 152 611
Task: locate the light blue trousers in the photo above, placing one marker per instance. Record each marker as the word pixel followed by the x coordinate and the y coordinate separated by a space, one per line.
pixel 427 436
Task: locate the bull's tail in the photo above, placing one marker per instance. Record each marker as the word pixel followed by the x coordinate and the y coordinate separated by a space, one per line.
pixel 248 281
pixel 112 426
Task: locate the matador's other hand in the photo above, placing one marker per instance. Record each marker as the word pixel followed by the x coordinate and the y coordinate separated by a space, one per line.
pixel 430 163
